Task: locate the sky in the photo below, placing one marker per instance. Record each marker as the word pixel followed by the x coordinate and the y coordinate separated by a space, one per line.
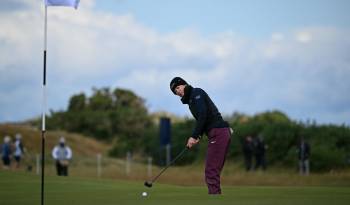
pixel 250 56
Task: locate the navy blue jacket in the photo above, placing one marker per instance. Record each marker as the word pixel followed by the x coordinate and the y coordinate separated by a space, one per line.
pixel 6 150
pixel 203 110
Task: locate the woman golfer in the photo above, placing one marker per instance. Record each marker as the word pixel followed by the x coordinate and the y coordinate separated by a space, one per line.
pixel 210 122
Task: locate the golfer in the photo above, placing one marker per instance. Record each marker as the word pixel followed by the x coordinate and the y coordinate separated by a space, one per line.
pixel 210 122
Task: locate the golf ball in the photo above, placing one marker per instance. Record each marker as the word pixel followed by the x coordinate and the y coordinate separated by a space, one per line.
pixel 144 193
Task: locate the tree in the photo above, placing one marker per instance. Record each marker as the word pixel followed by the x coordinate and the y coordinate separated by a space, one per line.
pixel 77 102
pixel 101 100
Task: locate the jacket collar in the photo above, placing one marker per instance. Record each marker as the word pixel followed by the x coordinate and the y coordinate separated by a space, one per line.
pixel 187 94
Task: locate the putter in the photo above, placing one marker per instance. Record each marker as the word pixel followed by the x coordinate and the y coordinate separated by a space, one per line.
pixel 149 184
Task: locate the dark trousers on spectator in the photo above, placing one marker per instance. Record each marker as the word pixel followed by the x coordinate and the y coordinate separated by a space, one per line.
pixel 62 170
pixel 260 162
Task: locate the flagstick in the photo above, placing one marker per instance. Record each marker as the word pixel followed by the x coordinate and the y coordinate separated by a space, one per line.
pixel 43 112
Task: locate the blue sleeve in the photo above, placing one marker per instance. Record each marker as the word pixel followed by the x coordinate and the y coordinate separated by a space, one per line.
pixel 201 113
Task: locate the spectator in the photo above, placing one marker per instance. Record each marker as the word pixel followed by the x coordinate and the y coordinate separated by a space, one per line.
pixel 6 152
pixel 62 154
pixel 259 149
pixel 248 149
pixel 303 155
pixel 19 150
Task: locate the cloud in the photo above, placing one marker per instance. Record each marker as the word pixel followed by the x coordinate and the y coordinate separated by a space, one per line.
pixel 303 72
pixel 303 37
pixel 277 37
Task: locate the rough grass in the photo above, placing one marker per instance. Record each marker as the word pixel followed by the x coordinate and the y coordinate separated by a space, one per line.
pixel 31 138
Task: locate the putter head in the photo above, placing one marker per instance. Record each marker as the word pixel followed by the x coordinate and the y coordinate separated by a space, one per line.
pixel 148 184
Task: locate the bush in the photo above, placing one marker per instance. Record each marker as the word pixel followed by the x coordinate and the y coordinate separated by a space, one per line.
pixel 324 158
pixel 120 148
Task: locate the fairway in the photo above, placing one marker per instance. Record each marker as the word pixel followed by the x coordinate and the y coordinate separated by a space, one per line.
pixel 22 188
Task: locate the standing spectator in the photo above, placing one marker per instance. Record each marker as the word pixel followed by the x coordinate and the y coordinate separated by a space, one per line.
pixel 6 152
pixel 248 149
pixel 260 148
pixel 62 154
pixel 19 150
pixel 304 154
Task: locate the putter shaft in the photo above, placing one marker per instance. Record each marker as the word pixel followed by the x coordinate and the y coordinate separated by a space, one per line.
pixel 149 184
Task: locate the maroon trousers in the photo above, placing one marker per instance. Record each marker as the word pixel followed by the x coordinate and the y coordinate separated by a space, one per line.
pixel 218 143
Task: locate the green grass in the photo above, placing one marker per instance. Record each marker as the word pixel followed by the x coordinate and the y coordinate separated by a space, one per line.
pixel 24 188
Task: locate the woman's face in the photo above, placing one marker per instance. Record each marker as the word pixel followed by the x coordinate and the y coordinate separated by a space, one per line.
pixel 180 90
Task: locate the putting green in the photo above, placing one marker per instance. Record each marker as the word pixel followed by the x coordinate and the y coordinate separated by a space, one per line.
pixel 23 188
